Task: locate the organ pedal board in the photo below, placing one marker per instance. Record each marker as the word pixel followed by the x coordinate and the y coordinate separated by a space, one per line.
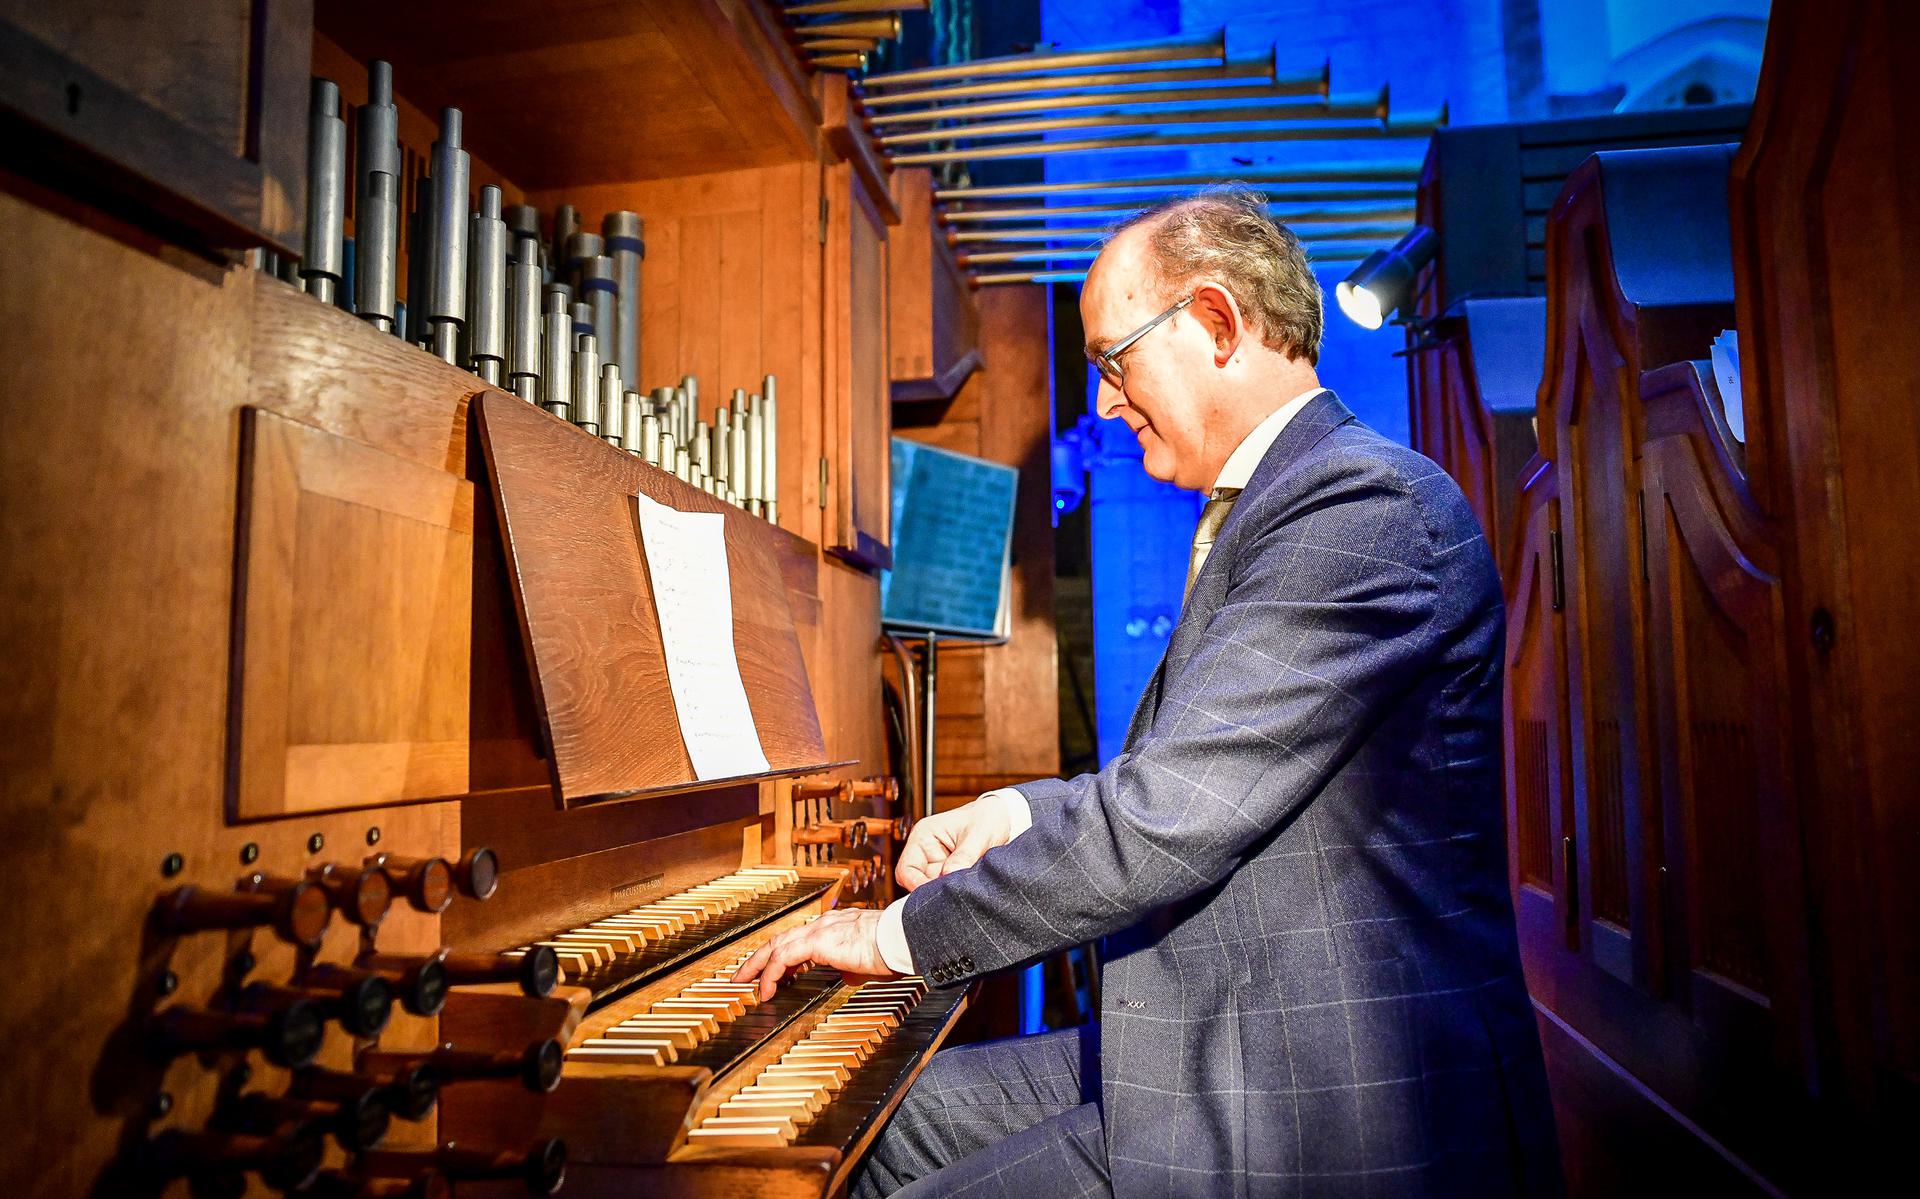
pixel 678 1081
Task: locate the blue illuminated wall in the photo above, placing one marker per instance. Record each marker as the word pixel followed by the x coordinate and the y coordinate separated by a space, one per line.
pixel 1487 60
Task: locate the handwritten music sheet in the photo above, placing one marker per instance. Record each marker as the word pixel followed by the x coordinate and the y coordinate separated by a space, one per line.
pixel 686 556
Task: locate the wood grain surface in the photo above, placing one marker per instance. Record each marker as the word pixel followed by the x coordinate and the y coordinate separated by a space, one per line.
pixel 566 505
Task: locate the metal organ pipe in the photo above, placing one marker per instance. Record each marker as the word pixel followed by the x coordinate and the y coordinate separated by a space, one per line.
pixel 376 219
pixel 447 239
pixel 324 260
pixel 487 272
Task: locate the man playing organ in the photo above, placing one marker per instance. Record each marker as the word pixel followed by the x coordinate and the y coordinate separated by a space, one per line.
pixel 1312 984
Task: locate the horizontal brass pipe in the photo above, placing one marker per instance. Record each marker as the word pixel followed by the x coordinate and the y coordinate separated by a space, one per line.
pixel 1172 50
pixel 835 45
pixel 1335 131
pixel 880 27
pixel 1005 277
pixel 1383 231
pixel 829 7
pixel 1402 209
pixel 1251 70
pixel 1182 95
pixel 1313 173
pixel 993 257
pixel 1352 108
pixel 1400 197
pixel 996 256
pixel 838 62
pixel 1080 275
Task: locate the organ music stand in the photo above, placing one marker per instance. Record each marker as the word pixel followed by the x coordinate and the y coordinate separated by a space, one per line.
pixel 952 564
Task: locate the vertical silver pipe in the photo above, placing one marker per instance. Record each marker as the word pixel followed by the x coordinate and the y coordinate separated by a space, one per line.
pixel 624 236
pixel 721 455
pixel 586 383
pixel 669 451
pixel 523 224
pixel 631 403
pixel 757 453
pixel 683 464
pixel 582 315
pixel 556 355
pixel 613 409
pixel 770 468
pixel 737 449
pixel 447 238
pixel 650 438
pixel 598 289
pixel 376 218
pixel 419 265
pixel 702 448
pixel 523 319
pixel 487 272
pixel 566 223
pixel 580 246
pixel 323 261
pixel 749 419
pixel 689 405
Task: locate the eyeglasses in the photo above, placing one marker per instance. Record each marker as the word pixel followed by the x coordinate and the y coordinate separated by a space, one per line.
pixel 1107 362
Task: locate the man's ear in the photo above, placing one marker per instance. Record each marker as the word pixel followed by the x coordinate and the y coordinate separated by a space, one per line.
pixel 1213 306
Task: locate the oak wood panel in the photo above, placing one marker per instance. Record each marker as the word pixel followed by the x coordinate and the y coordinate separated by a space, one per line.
pixel 578 92
pixel 730 293
pixel 352 618
pixel 1825 188
pixel 189 115
pixel 565 501
pixel 934 326
pixel 859 415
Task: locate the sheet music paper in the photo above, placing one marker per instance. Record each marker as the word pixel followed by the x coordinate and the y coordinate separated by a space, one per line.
pixel 692 591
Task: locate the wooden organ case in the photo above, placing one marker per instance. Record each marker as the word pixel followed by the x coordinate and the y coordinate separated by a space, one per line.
pixel 1709 920
pixel 341 731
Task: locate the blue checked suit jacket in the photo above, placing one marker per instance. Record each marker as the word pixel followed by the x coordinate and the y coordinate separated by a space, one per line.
pixel 1312 983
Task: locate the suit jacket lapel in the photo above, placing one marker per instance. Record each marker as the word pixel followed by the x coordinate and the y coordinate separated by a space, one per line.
pixel 1321 415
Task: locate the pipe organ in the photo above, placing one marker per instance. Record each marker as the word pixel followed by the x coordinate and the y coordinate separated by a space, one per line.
pixel 346 712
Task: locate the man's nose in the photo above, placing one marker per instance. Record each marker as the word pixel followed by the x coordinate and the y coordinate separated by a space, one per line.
pixel 1108 400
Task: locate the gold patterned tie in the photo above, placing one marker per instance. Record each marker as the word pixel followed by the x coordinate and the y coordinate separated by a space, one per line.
pixel 1211 518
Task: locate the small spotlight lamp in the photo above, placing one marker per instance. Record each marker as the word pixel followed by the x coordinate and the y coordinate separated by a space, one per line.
pixel 1385 280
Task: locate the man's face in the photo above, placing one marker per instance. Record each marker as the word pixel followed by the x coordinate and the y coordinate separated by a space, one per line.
pixel 1160 399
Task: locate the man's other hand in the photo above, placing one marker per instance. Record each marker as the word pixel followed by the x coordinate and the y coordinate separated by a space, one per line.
pixel 954 840
pixel 842 939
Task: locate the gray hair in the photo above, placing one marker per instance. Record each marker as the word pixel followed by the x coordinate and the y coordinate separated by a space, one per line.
pixel 1225 233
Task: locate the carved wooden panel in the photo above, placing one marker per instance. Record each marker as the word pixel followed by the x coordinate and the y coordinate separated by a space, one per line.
pixel 1639 278
pixel 1539 793
pixel 351 629
pixel 599 673
pixel 1719 640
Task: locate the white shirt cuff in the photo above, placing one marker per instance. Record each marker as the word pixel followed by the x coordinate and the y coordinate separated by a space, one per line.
pixel 891 939
pixel 1019 811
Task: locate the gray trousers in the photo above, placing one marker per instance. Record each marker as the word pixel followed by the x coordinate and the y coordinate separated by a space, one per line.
pixel 1013 1119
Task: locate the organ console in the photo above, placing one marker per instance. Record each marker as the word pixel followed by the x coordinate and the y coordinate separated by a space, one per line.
pixel 356 622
